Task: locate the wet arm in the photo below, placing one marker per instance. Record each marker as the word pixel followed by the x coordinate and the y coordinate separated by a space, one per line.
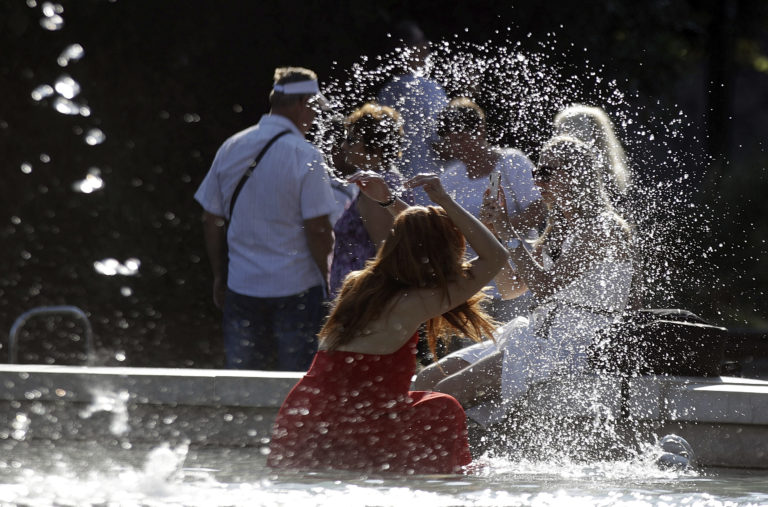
pixel 509 283
pixel 531 217
pixel 375 188
pixel 215 235
pixel 319 235
pixel 376 219
pixel 491 255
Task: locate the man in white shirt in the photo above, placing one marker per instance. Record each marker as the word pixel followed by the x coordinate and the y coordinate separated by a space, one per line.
pixel 279 235
pixel 461 129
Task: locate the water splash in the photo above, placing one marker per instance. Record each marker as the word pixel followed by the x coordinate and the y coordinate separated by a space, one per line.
pixel 71 53
pixel 20 425
pixel 68 107
pixel 42 92
pixel 67 87
pixel 521 91
pixel 94 136
pixel 112 267
pixel 163 469
pixel 115 403
pixel 52 19
pixel 91 183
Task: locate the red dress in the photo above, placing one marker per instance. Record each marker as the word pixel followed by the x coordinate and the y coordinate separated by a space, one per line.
pixel 353 411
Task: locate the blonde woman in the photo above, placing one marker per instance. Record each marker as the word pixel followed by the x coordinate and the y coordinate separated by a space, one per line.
pixel 592 126
pixel 579 271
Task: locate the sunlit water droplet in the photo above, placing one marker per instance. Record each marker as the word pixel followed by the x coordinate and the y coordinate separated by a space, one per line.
pixel 94 137
pixel 112 267
pixel 71 53
pixel 52 19
pixel 42 92
pixel 52 23
pixel 67 87
pixel 90 183
pixel 66 106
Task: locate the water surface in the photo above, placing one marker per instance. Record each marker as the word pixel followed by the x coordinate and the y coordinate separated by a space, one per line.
pixel 90 473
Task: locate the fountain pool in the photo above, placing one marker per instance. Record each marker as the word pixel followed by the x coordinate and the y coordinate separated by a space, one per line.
pixel 91 473
pixel 145 436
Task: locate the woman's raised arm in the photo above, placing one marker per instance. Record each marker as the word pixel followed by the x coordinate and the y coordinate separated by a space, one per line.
pixel 491 255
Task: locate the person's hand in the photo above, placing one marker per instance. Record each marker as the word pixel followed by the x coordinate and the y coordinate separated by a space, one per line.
pixel 432 186
pixel 372 185
pixel 493 212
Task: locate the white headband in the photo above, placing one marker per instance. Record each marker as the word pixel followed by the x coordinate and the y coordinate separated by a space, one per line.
pixel 309 87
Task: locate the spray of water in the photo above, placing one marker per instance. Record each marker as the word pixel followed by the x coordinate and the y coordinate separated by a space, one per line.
pixel 105 400
pixel 521 92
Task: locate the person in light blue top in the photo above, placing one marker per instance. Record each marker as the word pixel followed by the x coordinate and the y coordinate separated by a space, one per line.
pixel 418 99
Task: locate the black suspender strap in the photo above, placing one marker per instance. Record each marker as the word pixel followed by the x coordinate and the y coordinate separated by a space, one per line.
pixel 249 171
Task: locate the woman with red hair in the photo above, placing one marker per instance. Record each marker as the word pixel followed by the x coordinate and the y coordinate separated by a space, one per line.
pixel 353 410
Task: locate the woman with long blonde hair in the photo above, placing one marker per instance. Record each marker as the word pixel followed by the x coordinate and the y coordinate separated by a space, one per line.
pixel 579 271
pixel 353 409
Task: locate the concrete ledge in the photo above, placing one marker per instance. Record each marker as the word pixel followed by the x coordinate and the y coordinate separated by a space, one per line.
pixel 725 419
pixel 161 386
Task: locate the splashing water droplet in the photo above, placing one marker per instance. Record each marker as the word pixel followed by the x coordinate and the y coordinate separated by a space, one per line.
pixel 42 92
pixel 52 23
pixel 112 267
pixel 94 137
pixel 71 53
pixel 67 87
pixel 66 106
pixel 90 183
pixel 51 16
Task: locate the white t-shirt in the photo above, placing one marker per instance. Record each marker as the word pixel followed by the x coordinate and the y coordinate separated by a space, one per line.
pixel 268 251
pixel 516 181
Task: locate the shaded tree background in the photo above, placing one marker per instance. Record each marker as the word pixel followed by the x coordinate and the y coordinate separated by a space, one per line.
pixel 168 81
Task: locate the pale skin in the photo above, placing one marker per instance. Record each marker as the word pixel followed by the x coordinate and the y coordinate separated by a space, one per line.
pixel 471 383
pixel 318 230
pixel 409 309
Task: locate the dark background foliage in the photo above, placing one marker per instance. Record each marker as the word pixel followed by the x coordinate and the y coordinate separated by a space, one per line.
pixel 168 81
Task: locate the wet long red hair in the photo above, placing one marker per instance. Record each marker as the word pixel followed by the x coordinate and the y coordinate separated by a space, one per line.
pixel 424 249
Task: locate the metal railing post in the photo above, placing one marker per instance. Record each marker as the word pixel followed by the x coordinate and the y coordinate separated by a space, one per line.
pixel 72 311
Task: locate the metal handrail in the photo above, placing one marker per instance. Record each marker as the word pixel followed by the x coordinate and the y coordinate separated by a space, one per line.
pixel 73 311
